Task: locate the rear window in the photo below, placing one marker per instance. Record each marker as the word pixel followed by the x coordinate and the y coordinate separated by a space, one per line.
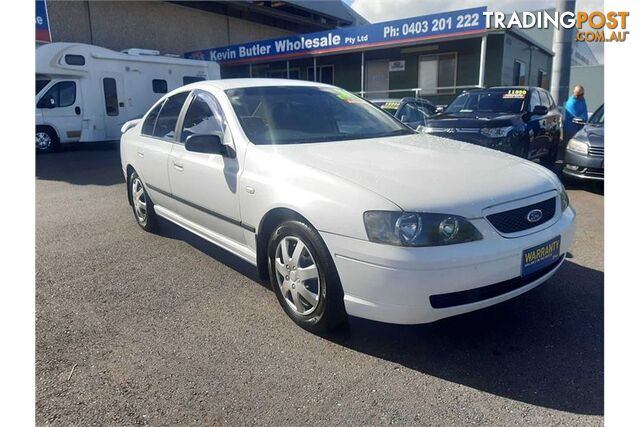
pixel 150 121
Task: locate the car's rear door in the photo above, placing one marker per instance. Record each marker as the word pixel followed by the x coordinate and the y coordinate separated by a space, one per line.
pixel 157 138
pixel 205 185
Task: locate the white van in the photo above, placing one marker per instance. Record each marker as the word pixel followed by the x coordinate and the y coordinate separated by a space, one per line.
pixel 86 93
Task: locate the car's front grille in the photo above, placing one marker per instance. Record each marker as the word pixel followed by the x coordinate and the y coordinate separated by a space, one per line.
pixel 516 220
pixel 471 296
pixel 596 151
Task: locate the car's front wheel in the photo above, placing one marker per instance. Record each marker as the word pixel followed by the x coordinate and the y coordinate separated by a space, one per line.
pixel 304 277
pixel 141 203
pixel 46 140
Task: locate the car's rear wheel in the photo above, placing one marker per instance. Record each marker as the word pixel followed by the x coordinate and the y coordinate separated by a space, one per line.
pixel 142 205
pixel 304 277
pixel 46 140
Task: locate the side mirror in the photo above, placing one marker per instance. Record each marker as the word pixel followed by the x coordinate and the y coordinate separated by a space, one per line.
pixel 47 102
pixel 208 144
pixel 540 110
pixel 440 109
pixel 578 121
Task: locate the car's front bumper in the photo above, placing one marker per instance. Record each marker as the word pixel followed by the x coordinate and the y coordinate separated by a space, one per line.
pixel 394 284
pixel 583 166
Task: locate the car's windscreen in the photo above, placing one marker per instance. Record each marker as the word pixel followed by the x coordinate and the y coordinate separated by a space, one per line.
pixel 40 84
pixel 301 114
pixel 597 118
pixel 494 101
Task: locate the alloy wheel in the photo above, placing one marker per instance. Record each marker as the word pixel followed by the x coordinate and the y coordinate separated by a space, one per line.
pixel 297 275
pixel 43 141
pixel 139 200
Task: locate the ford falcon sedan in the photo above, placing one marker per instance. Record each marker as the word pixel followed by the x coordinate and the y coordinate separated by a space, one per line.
pixel 344 209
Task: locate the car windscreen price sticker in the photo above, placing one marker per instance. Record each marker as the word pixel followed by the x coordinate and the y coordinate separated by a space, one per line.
pixel 515 94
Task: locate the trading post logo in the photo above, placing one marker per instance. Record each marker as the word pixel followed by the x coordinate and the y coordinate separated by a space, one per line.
pixel 590 26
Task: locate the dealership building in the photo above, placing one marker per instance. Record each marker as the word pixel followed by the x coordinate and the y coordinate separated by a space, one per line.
pixel 435 56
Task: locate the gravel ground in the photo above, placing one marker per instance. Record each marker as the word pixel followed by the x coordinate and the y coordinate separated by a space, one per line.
pixel 166 329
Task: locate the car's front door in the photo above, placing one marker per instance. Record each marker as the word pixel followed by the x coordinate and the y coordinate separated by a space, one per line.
pixel 205 185
pixel 61 107
pixel 536 127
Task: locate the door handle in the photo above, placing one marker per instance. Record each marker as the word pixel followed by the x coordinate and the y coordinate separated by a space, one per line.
pixel 178 166
pixel 78 111
pixel 140 154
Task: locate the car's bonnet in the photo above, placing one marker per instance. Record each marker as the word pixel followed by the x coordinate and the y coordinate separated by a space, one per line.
pixel 424 172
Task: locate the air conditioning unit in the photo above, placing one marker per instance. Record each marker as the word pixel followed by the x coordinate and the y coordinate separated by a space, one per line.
pixel 138 51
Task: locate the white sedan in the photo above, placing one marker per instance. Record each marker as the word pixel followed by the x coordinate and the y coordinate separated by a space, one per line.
pixel 342 207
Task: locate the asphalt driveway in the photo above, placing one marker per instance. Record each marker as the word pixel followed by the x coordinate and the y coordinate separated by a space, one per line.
pixel 168 329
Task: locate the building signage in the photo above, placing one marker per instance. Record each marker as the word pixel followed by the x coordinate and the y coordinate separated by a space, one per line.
pixel 43 34
pixel 419 28
pixel 396 65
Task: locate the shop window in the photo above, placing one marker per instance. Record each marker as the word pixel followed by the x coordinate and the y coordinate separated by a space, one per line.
pixel 324 74
pixel 543 79
pixel 519 73
pixel 159 86
pixel 437 73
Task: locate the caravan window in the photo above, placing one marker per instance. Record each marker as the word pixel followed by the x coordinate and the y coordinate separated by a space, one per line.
pixel 191 79
pixel 110 96
pixel 74 59
pixel 62 93
pixel 166 124
pixel 150 121
pixel 159 86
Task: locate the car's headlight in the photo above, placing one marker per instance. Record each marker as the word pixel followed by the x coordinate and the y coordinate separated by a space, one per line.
pixel 578 147
pixel 425 129
pixel 564 199
pixel 496 132
pixel 418 229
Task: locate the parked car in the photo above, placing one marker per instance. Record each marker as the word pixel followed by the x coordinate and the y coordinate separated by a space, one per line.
pixel 86 93
pixel 524 121
pixel 584 155
pixel 341 206
pixel 413 112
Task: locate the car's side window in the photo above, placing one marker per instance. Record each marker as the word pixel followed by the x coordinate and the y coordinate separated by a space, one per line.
pixel 204 117
pixel 534 101
pixel 150 122
pixel 168 118
pixel 544 99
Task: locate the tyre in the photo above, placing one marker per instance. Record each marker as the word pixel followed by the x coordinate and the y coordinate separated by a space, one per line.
pixel 304 277
pixel 142 205
pixel 46 140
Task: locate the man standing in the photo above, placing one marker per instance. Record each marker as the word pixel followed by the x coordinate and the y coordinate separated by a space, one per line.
pixel 576 107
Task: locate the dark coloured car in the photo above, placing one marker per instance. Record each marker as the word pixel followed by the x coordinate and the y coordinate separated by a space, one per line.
pixel 413 112
pixel 584 155
pixel 524 121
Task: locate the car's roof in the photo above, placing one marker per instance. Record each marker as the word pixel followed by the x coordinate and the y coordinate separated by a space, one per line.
pixel 225 84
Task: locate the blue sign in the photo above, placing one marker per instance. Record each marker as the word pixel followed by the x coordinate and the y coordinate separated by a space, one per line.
pixel 42 22
pixel 419 28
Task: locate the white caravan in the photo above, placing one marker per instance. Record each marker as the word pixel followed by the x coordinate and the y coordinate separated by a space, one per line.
pixel 86 93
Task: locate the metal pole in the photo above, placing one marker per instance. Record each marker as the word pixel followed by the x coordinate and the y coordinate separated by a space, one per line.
pixel 288 69
pixel 562 44
pixel 483 60
pixel 362 73
pixel 315 75
pixel 250 71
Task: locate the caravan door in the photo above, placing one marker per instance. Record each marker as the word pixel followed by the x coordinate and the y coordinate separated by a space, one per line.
pixel 114 106
pixel 60 106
